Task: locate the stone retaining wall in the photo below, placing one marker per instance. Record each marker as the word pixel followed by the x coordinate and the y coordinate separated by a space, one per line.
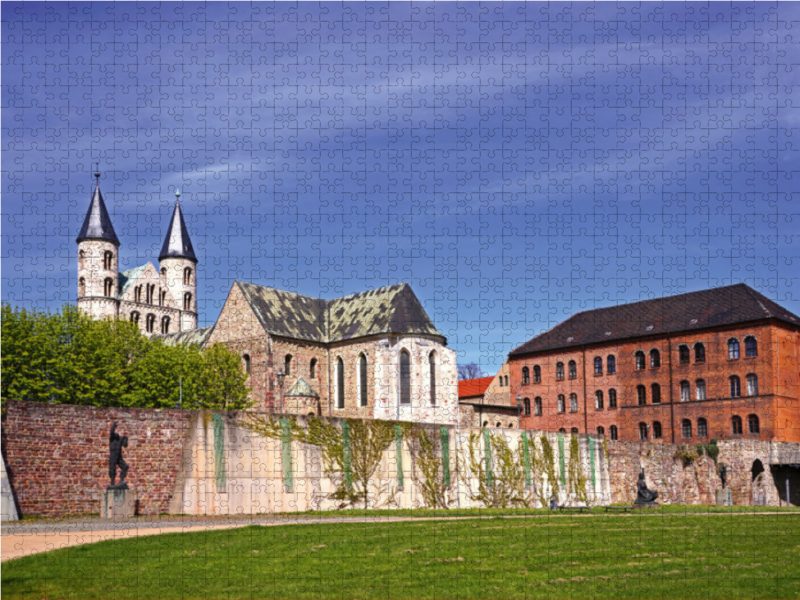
pixel 57 455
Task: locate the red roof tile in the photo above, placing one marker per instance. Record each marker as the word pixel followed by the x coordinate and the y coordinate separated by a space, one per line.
pixel 469 388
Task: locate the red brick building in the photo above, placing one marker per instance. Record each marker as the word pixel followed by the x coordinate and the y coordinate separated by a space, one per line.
pixel 721 363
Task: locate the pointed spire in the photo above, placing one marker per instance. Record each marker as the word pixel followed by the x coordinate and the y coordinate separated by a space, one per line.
pixel 177 243
pixel 97 224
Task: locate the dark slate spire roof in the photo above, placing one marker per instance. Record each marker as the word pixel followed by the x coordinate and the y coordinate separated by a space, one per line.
pixel 717 307
pixel 97 224
pixel 177 243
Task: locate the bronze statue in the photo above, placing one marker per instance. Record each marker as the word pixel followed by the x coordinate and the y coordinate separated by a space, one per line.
pixel 644 495
pixel 115 446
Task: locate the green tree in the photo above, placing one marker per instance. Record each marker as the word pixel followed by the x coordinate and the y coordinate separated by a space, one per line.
pixel 69 358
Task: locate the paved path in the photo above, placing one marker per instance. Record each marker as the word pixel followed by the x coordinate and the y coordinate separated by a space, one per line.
pixel 23 538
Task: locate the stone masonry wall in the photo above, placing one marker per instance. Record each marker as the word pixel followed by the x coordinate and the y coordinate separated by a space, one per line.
pixel 57 455
pixel 697 482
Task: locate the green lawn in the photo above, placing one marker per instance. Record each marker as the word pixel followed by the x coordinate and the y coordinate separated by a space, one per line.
pixel 663 556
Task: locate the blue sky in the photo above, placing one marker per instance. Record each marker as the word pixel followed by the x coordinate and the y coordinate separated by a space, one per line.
pixel 515 163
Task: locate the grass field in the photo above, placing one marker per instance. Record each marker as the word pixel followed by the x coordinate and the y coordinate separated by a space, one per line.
pixel 669 555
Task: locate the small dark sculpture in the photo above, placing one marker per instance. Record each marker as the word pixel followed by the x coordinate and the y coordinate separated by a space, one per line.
pixel 723 475
pixel 644 495
pixel 115 446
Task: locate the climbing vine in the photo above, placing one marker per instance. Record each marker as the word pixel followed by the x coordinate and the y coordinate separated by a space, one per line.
pixel 351 467
pixel 426 456
pixel 549 468
pixel 577 478
pixel 506 487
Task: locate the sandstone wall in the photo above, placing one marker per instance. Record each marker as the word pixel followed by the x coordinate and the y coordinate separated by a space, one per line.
pixel 698 481
pixel 57 455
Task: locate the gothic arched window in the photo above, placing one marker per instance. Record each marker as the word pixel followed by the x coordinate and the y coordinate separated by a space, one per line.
pixel 573 369
pixel 561 403
pixel 750 346
pixel 736 387
pixel 187 301
pixel 598 399
pixel 150 323
pixel 362 379
pixel 752 385
pixel 432 370
pixel 405 377
pixel 164 324
pixel 736 425
pixel 612 432
pixel 733 348
pixel 559 371
pixel 187 276
pixel 612 398
pixel 527 404
pixel 340 383
pixel 537 406
pixel 573 402
pixel 108 287
pixel 699 353
pixel 753 424
pixel 526 376
pixel 611 364
pixel 683 354
pixel 655 358
pixel 537 374
pixel 639 360
pixel 108 260
pixel 598 365
pixel 655 393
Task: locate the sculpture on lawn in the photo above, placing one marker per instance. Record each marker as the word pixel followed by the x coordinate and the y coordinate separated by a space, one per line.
pixel 115 445
pixel 643 494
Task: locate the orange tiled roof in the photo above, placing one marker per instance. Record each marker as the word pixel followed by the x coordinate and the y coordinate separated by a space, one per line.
pixel 469 388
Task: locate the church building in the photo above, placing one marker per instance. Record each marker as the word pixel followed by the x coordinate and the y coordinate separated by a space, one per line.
pixel 160 300
pixel 371 355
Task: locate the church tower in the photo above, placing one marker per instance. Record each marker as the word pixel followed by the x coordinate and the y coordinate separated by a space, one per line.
pixel 179 267
pixel 98 260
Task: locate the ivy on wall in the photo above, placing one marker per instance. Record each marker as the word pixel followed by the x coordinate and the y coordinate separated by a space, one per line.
pixel 429 457
pixel 501 480
pixel 350 455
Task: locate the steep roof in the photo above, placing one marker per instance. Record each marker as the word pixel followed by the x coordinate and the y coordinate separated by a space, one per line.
pixel 97 224
pixel 192 336
pixel 470 388
pixel 128 278
pixel 177 243
pixel 392 309
pixel 301 388
pixel 716 307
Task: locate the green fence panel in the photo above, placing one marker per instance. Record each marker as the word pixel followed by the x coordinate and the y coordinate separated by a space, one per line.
pixel 561 459
pixel 526 455
pixel 591 460
pixel 286 452
pixel 348 467
pixel 445 455
pixel 219 451
pixel 398 452
pixel 487 447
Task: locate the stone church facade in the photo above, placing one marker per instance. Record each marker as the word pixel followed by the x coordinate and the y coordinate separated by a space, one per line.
pixel 161 301
pixel 373 355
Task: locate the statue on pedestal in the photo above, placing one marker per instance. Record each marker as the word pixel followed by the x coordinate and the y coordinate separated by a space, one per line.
pixel 643 494
pixel 115 445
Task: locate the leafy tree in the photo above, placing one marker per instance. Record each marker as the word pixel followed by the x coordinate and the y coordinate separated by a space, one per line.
pixel 70 358
pixel 470 371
